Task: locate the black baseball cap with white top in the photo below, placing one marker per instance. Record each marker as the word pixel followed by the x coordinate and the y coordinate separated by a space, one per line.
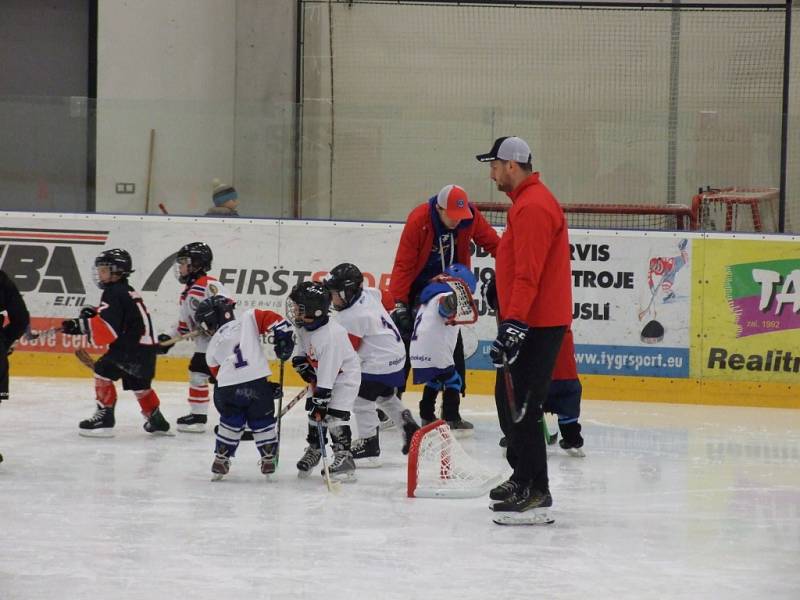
pixel 508 148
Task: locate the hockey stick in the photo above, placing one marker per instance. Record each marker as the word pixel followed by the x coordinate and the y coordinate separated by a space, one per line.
pixel 333 486
pixel 279 412
pixel 85 358
pixel 163 208
pixel 653 295
pixel 516 415
pixel 190 335
pixel 45 333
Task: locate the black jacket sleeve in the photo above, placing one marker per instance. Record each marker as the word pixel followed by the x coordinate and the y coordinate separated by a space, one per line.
pixel 11 301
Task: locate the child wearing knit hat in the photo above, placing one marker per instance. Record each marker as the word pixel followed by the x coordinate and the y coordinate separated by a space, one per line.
pixel 225 199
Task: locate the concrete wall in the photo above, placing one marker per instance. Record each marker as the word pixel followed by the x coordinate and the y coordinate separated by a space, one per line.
pixel 215 80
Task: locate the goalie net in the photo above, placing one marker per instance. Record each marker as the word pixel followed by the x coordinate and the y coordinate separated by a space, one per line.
pixel 736 209
pixel 438 467
pixel 671 217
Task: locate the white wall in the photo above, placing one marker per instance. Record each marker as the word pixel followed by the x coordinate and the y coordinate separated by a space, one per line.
pixel 168 66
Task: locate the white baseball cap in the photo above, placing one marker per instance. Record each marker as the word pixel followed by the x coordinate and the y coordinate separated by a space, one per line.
pixel 508 148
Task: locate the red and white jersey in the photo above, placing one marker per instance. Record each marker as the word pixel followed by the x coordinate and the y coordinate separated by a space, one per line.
pixel 433 341
pixel 328 348
pixel 191 296
pixel 235 355
pixel 373 334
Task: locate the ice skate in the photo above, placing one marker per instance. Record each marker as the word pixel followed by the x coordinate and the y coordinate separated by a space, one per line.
pixel 220 467
pixel 504 491
pixel 573 448
pixel 571 439
pixel 386 421
pixel 269 459
pixel 192 423
pixel 367 451
pixel 410 427
pixel 526 506
pixel 157 424
pixel 343 467
pixel 308 461
pixel 100 424
pixel 461 428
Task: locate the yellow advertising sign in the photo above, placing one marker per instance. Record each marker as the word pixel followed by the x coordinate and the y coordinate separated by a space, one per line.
pixel 746 311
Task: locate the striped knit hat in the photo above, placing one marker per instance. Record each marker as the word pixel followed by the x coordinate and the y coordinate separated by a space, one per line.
pixel 223 192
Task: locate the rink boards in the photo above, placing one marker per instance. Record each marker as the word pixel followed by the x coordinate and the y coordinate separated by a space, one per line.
pixel 713 319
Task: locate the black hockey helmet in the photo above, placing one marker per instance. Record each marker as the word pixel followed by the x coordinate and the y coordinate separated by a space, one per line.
pixel 117 260
pixel 198 257
pixel 308 304
pixel 212 313
pixel 346 280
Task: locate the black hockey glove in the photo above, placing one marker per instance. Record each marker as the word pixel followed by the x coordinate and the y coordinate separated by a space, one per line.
pixel 88 312
pixel 284 340
pixel 305 369
pixel 71 327
pixel 489 293
pixel 319 404
pixel 160 347
pixel 401 315
pixel 510 336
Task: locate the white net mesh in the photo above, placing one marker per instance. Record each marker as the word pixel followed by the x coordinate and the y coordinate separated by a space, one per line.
pixel 737 209
pixel 466 311
pixel 438 467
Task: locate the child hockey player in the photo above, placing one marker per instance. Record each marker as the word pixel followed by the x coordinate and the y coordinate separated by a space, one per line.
pixel 243 394
pixel 382 355
pixel 122 322
pixel 432 345
pixel 326 360
pixel 192 264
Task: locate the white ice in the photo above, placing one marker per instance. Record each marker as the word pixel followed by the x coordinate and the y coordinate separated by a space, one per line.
pixel 672 501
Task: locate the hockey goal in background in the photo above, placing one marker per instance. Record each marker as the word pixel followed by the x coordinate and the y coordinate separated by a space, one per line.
pixel 736 209
pixel 438 467
pixel 669 217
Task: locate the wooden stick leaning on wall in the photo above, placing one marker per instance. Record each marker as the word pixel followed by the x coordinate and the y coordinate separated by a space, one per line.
pixel 149 171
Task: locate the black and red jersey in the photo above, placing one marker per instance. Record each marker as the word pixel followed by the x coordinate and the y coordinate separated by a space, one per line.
pixel 122 320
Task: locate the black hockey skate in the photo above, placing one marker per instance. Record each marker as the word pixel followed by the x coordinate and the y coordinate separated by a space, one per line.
pixel 571 440
pixel 308 461
pixel 410 427
pixel 100 424
pixel 504 491
pixel 367 451
pixel 220 466
pixel 343 467
pixel 269 458
pixel 526 506
pixel 192 423
pixel 156 423
pixel 461 428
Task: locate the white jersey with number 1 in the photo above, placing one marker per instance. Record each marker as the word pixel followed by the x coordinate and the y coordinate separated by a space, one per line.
pixel 373 334
pixel 328 348
pixel 234 353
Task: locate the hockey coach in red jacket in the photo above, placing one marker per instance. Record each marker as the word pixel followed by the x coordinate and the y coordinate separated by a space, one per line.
pixel 534 292
pixel 436 235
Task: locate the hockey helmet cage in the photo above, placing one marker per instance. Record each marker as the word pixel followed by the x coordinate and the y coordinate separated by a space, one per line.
pixel 308 304
pixel 461 272
pixel 117 260
pixel 212 313
pixel 346 280
pixel 197 256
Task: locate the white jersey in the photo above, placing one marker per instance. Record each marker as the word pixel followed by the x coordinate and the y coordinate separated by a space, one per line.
pixel 235 349
pixel 373 334
pixel 328 348
pixel 191 296
pixel 433 341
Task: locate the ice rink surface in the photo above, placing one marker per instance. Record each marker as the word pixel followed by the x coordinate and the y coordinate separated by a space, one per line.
pixel 672 501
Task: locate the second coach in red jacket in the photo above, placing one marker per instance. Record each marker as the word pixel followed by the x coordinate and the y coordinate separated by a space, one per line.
pixel 534 290
pixel 437 234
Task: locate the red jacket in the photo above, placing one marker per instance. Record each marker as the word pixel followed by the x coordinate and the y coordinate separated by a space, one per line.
pixel 534 275
pixel 565 367
pixel 416 242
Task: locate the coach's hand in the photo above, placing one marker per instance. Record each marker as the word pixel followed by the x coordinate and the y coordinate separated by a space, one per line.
pixel 509 340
